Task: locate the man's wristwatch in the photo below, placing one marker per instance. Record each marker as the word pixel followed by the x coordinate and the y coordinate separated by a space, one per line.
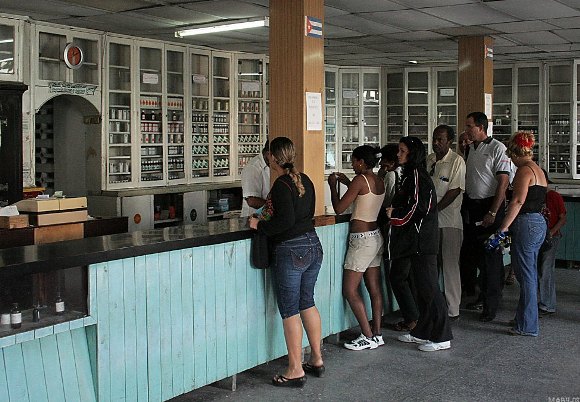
pixel 492 213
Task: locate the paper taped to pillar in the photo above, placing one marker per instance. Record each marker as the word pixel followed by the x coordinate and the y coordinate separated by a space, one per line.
pixel 313 111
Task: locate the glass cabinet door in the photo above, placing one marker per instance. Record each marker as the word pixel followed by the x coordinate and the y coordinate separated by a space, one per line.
pixel 371 109
pixel 221 122
pixel 528 98
pixel 250 113
pixel 175 135
pixel 89 71
pixel 446 98
pixel 395 106
pixel 502 104
pixel 119 166
pixel 575 128
pixel 51 65
pixel 330 120
pixel 558 140
pixel 350 130
pixel 200 76
pixel 7 50
pixel 151 114
pixel 418 105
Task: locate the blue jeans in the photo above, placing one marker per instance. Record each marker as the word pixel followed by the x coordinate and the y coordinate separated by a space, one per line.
pixel 298 262
pixel 547 279
pixel 528 232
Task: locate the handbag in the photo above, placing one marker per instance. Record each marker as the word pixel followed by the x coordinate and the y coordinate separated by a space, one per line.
pixel 260 251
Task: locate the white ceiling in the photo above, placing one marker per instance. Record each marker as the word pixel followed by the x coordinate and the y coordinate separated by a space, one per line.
pixel 357 32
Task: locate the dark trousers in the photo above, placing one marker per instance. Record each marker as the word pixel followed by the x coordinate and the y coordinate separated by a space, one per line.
pixel 433 323
pixel 490 263
pixel 402 282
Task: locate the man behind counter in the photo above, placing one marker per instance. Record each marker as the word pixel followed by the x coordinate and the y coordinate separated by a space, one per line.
pixel 255 182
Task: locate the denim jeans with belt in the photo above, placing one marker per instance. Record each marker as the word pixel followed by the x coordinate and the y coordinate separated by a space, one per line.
pixel 298 262
pixel 528 232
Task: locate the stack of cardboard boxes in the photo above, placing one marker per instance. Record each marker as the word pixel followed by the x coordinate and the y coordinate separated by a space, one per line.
pixel 54 211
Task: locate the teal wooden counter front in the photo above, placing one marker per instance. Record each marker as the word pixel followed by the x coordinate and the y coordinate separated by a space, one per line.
pixel 168 323
pixel 569 246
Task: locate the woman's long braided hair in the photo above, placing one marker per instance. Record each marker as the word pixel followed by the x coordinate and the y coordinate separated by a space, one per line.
pixel 283 152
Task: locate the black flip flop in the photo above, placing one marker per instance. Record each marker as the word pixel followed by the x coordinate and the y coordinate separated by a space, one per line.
pixel 318 371
pixel 281 381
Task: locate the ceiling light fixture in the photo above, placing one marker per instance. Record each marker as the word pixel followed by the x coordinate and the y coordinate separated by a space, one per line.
pixel 413 61
pixel 229 26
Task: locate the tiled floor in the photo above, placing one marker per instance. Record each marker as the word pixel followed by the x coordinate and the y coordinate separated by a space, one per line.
pixel 483 364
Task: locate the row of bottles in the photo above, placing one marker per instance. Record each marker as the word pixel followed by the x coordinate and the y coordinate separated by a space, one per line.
pixel 14 318
pixel 161 109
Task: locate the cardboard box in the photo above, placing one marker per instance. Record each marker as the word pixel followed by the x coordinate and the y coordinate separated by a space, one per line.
pixel 38 205
pixel 72 203
pixel 13 222
pixel 54 218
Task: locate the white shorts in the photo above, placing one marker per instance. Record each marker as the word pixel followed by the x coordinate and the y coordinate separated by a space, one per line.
pixel 365 249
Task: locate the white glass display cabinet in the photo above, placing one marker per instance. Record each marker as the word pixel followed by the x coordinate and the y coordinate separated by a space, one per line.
pixel 575 133
pixel 529 113
pixel 250 109
pixel 200 112
pixel 330 119
pixel 359 108
pixel 152 144
pixel 446 99
pixel 517 102
pixel 221 139
pixel 417 110
pixel 559 97
pixel 395 106
pixel 502 111
pixel 118 123
pixel 175 122
pixel 67 56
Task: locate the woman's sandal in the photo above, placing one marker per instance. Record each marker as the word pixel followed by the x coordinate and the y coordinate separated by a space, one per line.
pixel 281 381
pixel 403 326
pixel 318 371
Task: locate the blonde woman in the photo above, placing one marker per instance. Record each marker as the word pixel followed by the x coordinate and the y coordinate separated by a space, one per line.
pixel 297 261
pixel 528 228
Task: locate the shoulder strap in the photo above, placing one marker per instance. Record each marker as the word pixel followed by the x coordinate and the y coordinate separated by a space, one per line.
pixel 535 178
pixel 367 180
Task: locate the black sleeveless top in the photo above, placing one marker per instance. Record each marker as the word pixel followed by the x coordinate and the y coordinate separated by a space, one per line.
pixel 535 199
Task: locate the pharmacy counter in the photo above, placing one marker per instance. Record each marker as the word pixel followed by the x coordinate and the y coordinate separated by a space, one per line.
pixel 170 310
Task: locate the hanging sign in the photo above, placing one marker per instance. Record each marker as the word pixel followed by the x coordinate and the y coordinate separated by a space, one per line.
pixel 313 27
pixel 447 91
pixel 199 79
pixel 349 93
pixel 149 78
pixel 74 89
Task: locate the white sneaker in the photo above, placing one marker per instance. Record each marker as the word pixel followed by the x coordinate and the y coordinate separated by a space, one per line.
pixel 361 343
pixel 408 338
pixel 378 339
pixel 434 346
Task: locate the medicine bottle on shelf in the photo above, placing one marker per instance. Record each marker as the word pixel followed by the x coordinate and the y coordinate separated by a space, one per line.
pixel 59 305
pixel 15 316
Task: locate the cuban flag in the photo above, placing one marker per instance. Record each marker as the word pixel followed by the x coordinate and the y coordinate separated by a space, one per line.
pixel 313 27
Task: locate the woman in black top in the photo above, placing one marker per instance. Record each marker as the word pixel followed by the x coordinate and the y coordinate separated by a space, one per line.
pixel 414 240
pixel 528 228
pixel 298 257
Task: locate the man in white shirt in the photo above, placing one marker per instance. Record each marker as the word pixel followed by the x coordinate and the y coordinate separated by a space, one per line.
pixel 447 170
pixel 255 182
pixel 486 180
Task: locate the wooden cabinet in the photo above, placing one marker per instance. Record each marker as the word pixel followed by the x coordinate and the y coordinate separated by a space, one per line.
pixel 11 142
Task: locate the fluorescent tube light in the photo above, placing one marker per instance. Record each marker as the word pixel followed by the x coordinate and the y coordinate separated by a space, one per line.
pixel 417 92
pixel 231 26
pixel 413 61
pixel 6 40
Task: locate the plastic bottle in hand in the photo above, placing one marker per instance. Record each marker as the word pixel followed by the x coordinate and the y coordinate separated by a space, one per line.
pixel 494 240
